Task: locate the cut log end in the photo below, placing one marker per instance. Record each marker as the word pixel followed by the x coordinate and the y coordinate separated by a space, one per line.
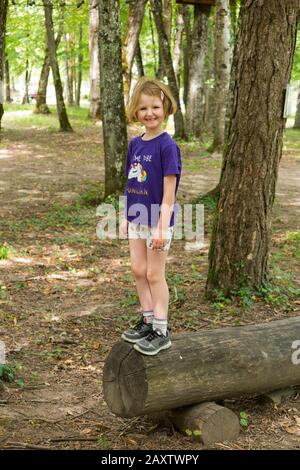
pixel 208 422
pixel 124 381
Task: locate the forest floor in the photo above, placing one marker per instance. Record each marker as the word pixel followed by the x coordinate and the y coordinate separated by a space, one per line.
pixel 66 296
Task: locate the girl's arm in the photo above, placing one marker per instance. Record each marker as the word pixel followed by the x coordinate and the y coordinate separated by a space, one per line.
pixel 166 211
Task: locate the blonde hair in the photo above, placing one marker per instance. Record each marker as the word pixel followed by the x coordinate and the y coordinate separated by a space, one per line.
pixel 150 87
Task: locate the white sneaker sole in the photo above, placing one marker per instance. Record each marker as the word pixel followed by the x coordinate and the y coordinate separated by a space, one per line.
pixel 152 353
pixel 131 340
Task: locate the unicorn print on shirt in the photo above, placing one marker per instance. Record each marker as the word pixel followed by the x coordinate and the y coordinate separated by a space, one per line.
pixel 137 171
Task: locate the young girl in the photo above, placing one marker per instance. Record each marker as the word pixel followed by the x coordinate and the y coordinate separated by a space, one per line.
pixel 153 169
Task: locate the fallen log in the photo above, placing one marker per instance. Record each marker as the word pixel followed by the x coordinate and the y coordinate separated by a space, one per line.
pixel 203 366
pixel 207 422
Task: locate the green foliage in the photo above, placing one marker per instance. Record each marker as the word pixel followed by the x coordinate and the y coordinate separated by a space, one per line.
pixel 209 202
pixel 4 252
pixel 193 433
pixel 177 292
pixel 26 34
pixel 244 419
pixel 131 299
pixel 296 61
pixel 92 196
pixel 278 295
pixel 7 373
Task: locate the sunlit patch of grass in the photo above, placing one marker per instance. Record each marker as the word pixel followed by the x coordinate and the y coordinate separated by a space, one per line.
pixel 291 140
pixel 23 116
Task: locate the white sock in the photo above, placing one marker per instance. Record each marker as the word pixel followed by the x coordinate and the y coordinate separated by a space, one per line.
pixel 160 324
pixel 148 316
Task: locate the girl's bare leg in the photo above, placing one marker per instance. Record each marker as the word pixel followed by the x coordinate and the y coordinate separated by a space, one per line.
pixel 156 263
pixel 138 256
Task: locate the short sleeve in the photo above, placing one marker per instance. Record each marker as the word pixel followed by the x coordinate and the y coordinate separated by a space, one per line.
pixel 171 160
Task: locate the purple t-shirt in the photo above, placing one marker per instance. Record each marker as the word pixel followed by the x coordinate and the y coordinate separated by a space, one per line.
pixel 148 161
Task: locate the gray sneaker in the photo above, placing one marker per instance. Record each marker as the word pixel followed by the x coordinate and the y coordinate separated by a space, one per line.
pixel 153 343
pixel 138 332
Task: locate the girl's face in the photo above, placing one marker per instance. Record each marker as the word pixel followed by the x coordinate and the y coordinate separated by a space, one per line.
pixel 150 112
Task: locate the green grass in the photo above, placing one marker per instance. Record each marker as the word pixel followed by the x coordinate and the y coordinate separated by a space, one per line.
pixel 291 140
pixel 78 117
pixel 4 252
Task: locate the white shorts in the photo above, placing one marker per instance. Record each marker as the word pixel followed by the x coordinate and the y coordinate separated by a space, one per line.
pixel 146 232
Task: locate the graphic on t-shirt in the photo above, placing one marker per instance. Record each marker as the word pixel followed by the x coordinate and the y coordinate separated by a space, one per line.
pixel 137 171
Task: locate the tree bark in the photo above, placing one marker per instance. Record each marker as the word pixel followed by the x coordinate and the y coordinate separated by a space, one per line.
pixel 196 70
pixel 113 112
pixel 41 105
pixel 187 49
pixel 297 117
pixel 3 16
pixel 156 6
pixel 69 45
pixel 136 10
pixel 79 66
pixel 25 99
pixel 178 44
pixel 7 82
pixel 222 70
pixel 139 60
pixel 203 366
pixel 153 44
pixel 95 100
pixel 241 236
pixel 61 110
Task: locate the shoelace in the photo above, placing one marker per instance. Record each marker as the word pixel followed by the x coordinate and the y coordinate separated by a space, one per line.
pixel 153 334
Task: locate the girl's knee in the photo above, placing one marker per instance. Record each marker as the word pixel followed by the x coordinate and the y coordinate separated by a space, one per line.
pixel 155 276
pixel 139 270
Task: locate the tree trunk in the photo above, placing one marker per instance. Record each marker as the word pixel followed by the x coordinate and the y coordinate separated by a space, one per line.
pixel 113 112
pixel 7 82
pixel 178 44
pixel 139 60
pixel 156 6
pixel 203 366
pixel 79 69
pixel 153 44
pixel 69 70
pixel 41 105
pixel 297 117
pixel 95 102
pixel 136 10
pixel 187 49
pixel 222 70
pixel 25 99
pixel 241 236
pixel 61 110
pixel 196 70
pixel 167 22
pixel 3 16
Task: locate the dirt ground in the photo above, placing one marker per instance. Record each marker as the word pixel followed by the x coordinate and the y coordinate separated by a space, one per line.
pixel 66 296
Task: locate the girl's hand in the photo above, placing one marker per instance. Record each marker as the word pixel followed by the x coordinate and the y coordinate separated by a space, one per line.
pixel 124 228
pixel 159 239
